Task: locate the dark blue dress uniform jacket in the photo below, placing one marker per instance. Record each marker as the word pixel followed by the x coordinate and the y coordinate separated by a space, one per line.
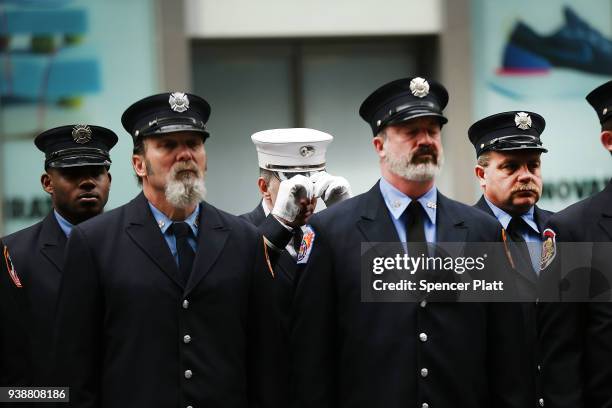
pixel 15 362
pixel 285 269
pixel 284 265
pixel 129 334
pixel 527 282
pixel 38 254
pixel 346 353
pixel 576 338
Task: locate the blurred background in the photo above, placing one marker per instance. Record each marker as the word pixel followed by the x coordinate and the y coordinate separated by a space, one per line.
pixel 278 63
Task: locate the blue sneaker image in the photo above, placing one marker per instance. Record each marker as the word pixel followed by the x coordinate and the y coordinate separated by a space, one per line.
pixel 575 45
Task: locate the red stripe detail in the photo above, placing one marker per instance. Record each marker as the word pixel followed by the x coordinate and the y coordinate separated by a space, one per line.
pixel 11 268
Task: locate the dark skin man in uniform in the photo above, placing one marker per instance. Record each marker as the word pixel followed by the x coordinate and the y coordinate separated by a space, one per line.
pixel 76 177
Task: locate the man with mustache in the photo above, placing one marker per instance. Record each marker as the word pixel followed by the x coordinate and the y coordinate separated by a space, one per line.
pixel 291 178
pixel 576 337
pixel 77 179
pixel 351 351
pixel 508 150
pixel 166 301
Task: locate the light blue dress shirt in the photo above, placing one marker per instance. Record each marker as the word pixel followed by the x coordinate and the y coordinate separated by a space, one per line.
pixel 532 236
pixel 397 202
pixel 163 222
pixel 63 223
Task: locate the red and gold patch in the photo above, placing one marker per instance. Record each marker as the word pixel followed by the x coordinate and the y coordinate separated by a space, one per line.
pixel 549 248
pixel 306 245
pixel 11 268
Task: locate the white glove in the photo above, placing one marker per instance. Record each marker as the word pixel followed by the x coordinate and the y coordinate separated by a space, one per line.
pixel 332 189
pixel 287 205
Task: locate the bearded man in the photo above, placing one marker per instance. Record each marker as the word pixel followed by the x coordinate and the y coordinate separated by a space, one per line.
pixel 166 300
pixel 347 352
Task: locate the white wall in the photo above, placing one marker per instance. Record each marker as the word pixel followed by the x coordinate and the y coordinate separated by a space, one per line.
pixel 318 18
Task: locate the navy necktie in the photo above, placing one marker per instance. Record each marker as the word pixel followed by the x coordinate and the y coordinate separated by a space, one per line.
pixel 186 255
pixel 415 229
pixel 515 229
pixel 297 239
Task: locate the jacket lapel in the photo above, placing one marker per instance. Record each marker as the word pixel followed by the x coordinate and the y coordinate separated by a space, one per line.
pixel 52 241
pixel 523 266
pixel 605 222
pixel 541 218
pixel 450 226
pixel 212 235
pixel 482 204
pixel 286 264
pixel 375 223
pixel 145 233
pixel 257 216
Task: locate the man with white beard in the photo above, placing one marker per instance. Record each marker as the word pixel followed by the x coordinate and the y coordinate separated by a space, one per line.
pixel 166 301
pixel 351 349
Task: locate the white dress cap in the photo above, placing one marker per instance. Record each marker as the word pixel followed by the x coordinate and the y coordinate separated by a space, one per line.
pixel 291 150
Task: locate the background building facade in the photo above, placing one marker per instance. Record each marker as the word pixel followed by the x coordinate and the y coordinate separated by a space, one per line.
pixel 272 64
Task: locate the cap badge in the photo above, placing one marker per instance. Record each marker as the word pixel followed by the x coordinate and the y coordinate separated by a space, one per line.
pixel 307 151
pixel 81 134
pixel 605 111
pixel 178 102
pixel 419 87
pixel 522 120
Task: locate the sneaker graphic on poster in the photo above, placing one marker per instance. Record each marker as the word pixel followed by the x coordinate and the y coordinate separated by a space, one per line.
pixel 565 64
pixel 575 45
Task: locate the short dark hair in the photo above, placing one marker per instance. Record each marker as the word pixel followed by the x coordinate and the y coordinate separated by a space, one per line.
pixel 267 175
